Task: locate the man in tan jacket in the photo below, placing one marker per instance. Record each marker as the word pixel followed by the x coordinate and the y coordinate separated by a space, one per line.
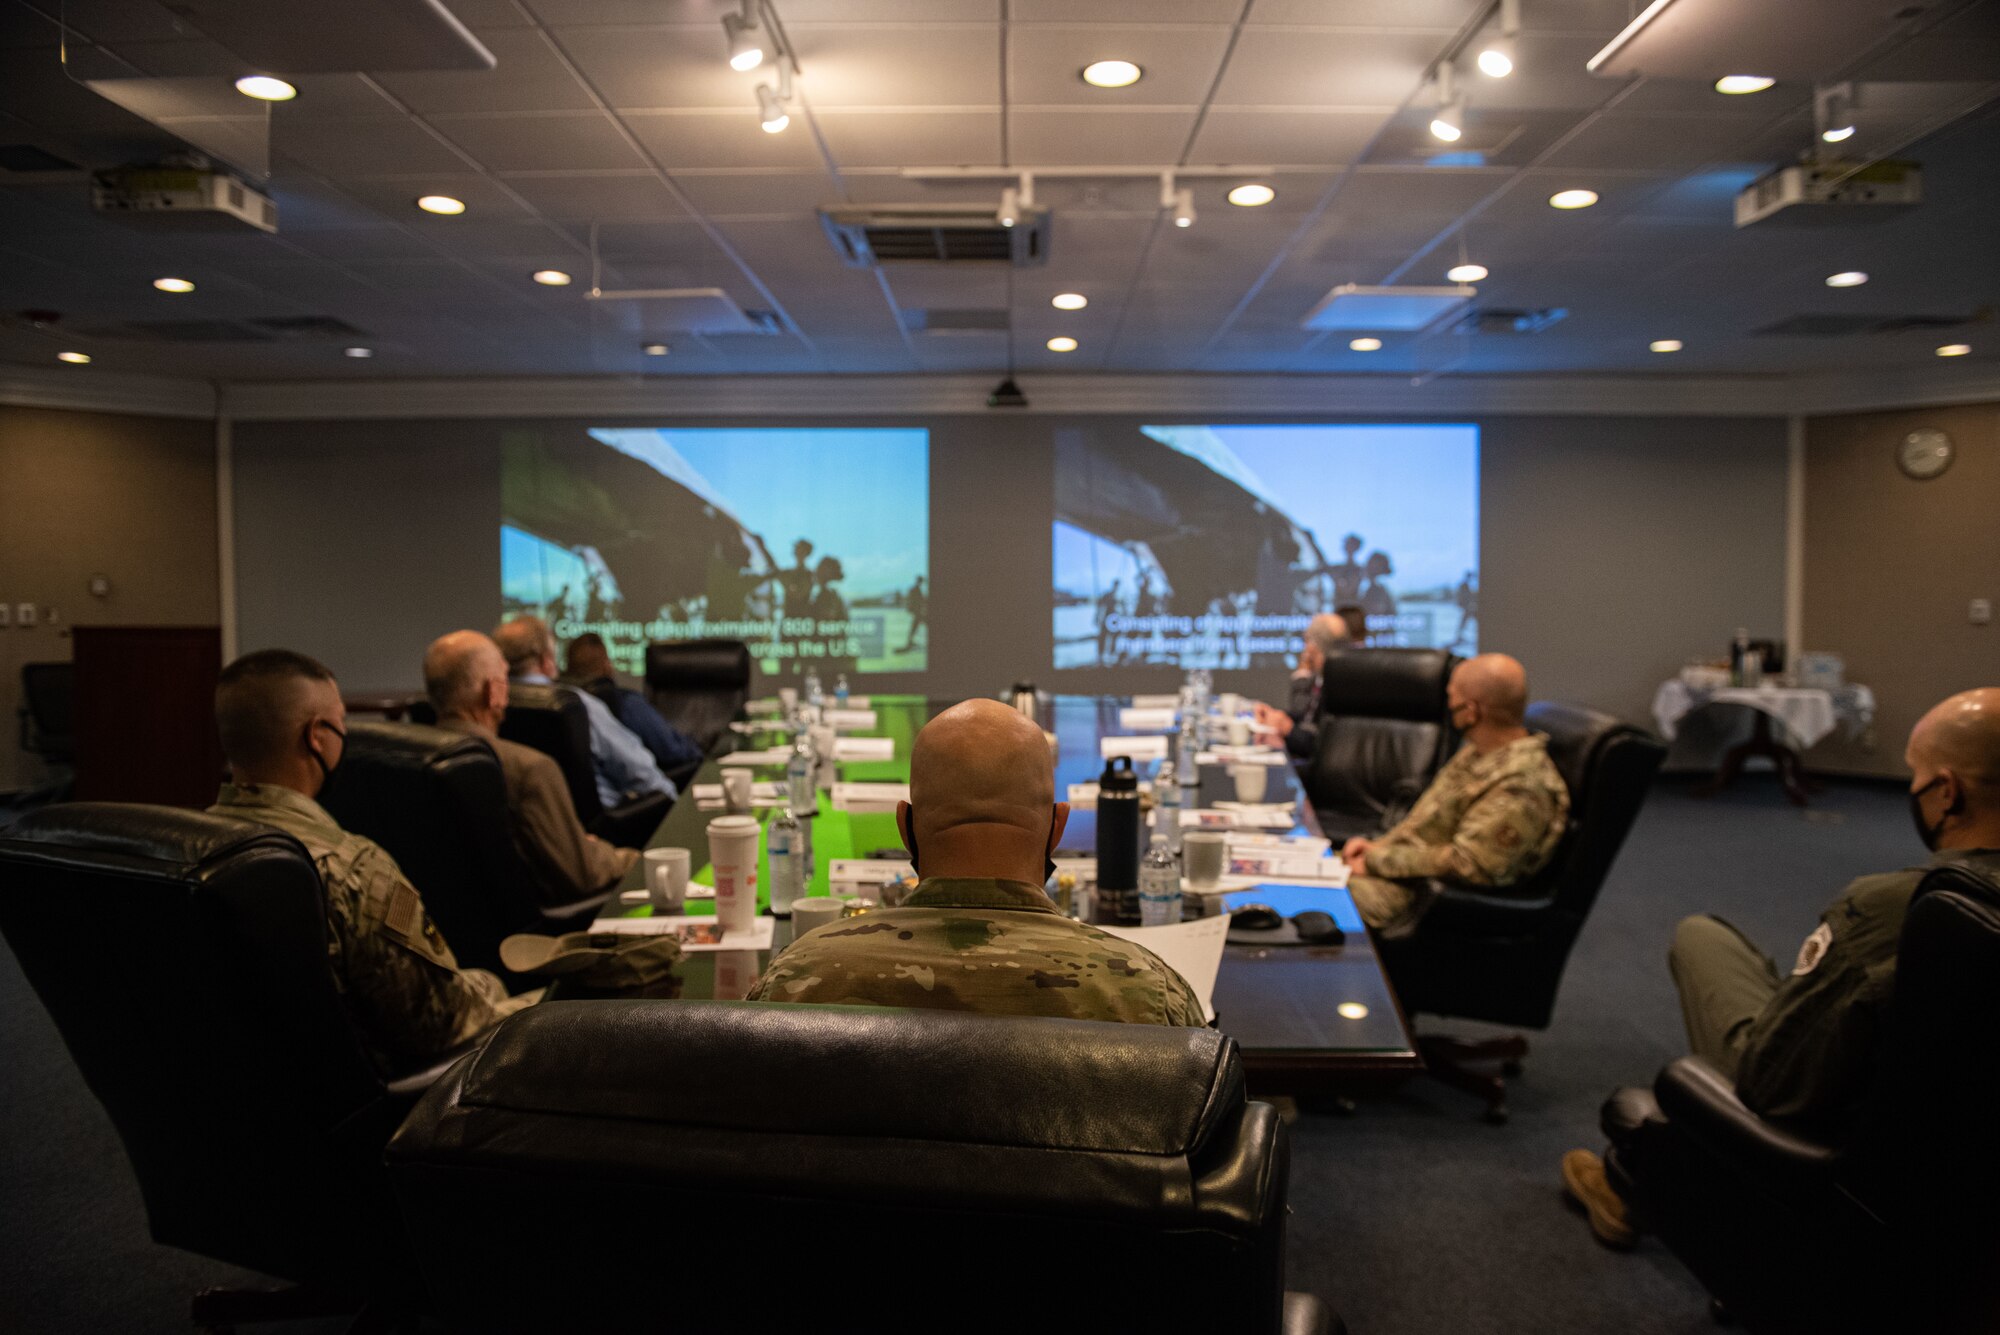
pixel 466 678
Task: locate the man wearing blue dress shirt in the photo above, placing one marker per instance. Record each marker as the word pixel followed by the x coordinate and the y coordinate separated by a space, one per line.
pixel 624 767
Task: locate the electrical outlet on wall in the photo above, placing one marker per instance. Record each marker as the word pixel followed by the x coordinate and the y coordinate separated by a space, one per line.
pixel 1980 612
pixel 24 615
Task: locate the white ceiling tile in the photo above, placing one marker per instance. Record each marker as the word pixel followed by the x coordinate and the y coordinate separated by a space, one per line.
pixel 376 147
pixel 757 194
pixel 1045 64
pixel 526 77
pixel 610 196
pixel 1123 11
pixel 395 198
pixel 899 66
pixel 1308 136
pixel 1280 68
pixel 1080 138
pixel 331 97
pixel 722 140
pixel 911 139
pixel 585 141
pixel 659 67
pixel 1442 15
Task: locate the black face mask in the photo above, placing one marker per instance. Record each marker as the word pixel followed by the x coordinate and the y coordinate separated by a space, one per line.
pixel 1930 834
pixel 910 838
pixel 325 770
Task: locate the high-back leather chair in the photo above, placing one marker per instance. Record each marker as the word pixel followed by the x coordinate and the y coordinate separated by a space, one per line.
pixel 699 686
pixel 1876 1220
pixel 552 720
pixel 183 958
pixel 859 1167
pixel 436 801
pixel 1498 955
pixel 1384 732
pixel 48 729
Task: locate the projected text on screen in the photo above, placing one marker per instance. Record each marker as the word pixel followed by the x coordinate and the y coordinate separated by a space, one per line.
pixel 811 545
pixel 1213 546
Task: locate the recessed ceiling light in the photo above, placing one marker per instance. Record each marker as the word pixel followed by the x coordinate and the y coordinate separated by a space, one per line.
pixel 441 204
pixel 1738 84
pixel 1852 278
pixel 1062 343
pixel 173 285
pixel 1069 301
pixel 1837 133
pixel 1111 74
pixel 1665 345
pixel 265 88
pixel 552 278
pixel 1365 344
pixel 1466 273
pixel 1948 350
pixel 1250 196
pixel 359 352
pixel 1573 199
pixel 83 358
pixel 655 349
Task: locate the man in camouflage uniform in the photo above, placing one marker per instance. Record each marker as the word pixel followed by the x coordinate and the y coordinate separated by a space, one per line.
pixel 978 934
pixel 283 730
pixel 1492 817
pixel 1803 1045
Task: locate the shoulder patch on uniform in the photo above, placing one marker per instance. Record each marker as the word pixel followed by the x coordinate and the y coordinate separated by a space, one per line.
pixel 1812 950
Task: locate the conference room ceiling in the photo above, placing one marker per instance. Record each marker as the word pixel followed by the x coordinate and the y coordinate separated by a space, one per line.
pixel 621 117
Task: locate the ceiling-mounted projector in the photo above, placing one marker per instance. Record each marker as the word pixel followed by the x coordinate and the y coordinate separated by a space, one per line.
pixel 1819 191
pixel 183 193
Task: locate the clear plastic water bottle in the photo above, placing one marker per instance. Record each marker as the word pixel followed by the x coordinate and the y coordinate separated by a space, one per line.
pixel 799 788
pixel 784 840
pixel 1167 807
pixel 1159 885
pixel 814 694
pixel 1188 745
pixel 840 691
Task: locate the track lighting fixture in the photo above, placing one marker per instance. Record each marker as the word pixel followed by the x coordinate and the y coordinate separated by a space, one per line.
pixel 746 38
pixel 1010 207
pixel 771 109
pixel 1449 122
pixel 1496 55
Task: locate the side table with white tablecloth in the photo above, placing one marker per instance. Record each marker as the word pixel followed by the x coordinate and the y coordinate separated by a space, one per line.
pixel 1788 719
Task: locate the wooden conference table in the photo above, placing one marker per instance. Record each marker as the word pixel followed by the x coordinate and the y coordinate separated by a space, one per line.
pixel 1312 1021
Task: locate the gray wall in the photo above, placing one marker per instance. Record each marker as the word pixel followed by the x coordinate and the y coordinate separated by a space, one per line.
pixel 1613 549
pixel 1892 563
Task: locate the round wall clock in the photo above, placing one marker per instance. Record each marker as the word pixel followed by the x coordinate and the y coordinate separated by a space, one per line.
pixel 1924 453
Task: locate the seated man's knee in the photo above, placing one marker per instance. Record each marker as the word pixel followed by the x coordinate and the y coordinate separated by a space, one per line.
pixel 1691 934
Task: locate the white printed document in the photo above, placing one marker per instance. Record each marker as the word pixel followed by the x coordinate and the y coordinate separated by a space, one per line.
pixel 1192 949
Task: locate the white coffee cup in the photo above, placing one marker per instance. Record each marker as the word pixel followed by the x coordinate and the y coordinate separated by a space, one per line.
pixel 788 698
pixel 1203 855
pixel 1250 781
pixel 732 852
pixel 667 878
pixel 737 785
pixel 735 974
pixel 1239 731
pixel 815 911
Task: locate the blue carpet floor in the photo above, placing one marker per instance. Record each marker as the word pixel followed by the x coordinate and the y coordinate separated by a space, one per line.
pixel 1411 1215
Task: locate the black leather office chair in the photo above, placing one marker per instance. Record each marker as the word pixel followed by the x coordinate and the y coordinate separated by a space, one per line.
pixel 1879 1223
pixel 851 1168
pixel 183 958
pixel 437 802
pixel 1498 956
pixel 1384 732
pixel 551 719
pixel 699 686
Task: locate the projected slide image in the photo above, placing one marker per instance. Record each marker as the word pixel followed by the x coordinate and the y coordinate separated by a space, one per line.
pixel 1213 546
pixel 810 545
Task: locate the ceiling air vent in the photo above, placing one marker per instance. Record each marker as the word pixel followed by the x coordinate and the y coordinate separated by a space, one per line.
pixel 276 329
pixel 876 234
pixel 949 321
pixel 1352 306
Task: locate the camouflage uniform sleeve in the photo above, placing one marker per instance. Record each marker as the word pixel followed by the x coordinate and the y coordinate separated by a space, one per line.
pixel 412 999
pixel 1496 839
pixel 1184 1008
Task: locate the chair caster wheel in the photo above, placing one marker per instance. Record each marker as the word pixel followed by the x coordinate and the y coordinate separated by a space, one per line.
pixel 1510 1068
pixel 1496 1115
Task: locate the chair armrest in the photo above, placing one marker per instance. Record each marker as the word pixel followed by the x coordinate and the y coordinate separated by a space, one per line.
pixel 1702 1102
pixel 1467 912
pixel 412 1085
pixel 1305 1314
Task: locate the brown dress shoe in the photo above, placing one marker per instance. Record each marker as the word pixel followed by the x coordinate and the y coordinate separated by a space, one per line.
pixel 1583 1177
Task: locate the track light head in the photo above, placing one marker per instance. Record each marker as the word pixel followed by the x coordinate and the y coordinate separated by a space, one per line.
pixel 1449 123
pixel 1496 58
pixel 746 42
pixel 771 110
pixel 1010 207
pixel 1184 208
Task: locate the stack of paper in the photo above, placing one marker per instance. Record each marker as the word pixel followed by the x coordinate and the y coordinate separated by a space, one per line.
pixel 1136 719
pixel 849 720
pixel 777 755
pixel 1191 949
pixel 869 796
pixel 854 875
pixel 1241 755
pixel 864 748
pixel 766 793
pixel 1156 702
pixel 696 934
pixel 1083 796
pixel 1139 748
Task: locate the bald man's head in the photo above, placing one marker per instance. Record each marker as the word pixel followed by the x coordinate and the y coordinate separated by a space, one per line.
pixel 459 670
pixel 1326 632
pixel 1962 735
pixel 982 793
pixel 1496 684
